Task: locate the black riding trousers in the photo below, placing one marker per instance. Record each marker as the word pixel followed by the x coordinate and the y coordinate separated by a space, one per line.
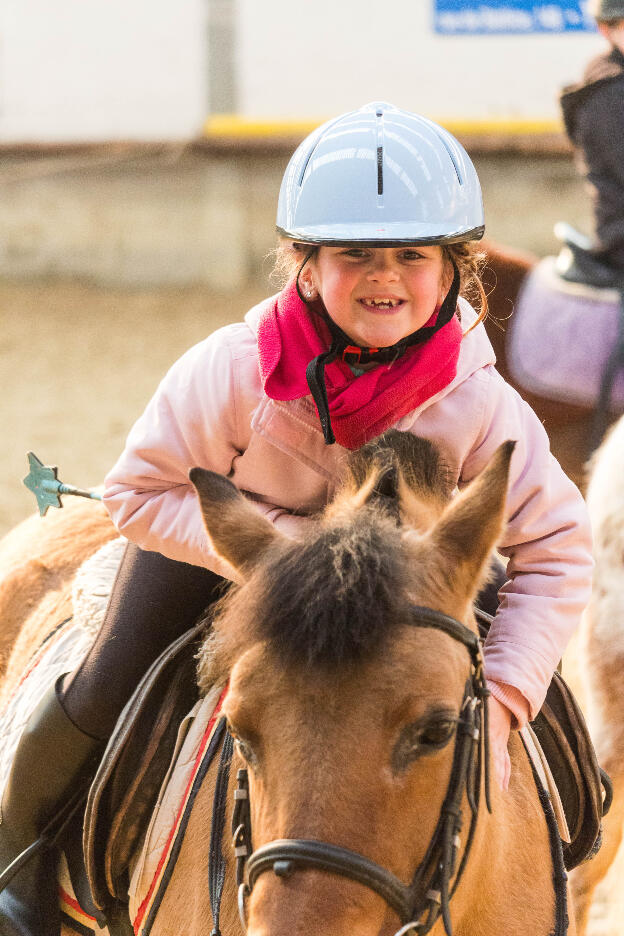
pixel 153 601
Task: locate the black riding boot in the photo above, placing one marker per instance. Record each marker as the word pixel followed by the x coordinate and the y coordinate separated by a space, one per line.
pixel 52 759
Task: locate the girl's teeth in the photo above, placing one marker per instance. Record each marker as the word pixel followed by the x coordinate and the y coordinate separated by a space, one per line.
pixel 385 303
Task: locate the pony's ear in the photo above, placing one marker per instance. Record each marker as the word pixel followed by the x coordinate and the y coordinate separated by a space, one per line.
pixel 385 491
pixel 373 483
pixel 403 472
pixel 469 528
pixel 239 533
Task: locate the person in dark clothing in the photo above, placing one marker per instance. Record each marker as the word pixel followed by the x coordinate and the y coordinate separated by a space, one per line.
pixel 593 113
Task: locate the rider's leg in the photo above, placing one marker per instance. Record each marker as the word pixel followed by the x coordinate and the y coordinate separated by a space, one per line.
pixel 153 601
pixel 52 760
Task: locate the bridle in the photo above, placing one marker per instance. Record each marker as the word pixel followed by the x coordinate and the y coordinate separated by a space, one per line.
pixel 420 903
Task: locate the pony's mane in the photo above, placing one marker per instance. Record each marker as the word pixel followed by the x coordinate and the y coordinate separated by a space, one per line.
pixel 336 598
pixel 331 602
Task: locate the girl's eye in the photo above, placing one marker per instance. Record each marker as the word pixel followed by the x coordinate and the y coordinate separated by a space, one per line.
pixel 356 252
pixel 411 255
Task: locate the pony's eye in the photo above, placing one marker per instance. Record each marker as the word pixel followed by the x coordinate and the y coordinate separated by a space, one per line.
pixel 437 734
pixel 243 749
pixel 243 745
pixel 246 751
pixel 422 738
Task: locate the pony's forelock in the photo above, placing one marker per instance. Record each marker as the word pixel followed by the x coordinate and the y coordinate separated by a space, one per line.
pixel 334 599
pixel 351 595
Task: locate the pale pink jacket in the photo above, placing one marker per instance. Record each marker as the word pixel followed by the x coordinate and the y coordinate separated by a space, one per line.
pixel 210 410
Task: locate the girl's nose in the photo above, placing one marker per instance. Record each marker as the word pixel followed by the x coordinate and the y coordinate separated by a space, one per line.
pixel 383 269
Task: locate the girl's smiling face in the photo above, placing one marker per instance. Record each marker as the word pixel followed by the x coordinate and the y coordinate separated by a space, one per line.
pixel 378 295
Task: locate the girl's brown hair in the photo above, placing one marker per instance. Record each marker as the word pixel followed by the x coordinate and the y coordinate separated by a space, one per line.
pixel 468 257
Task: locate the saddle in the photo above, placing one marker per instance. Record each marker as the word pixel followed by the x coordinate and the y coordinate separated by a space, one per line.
pixel 125 789
pixel 566 341
pixel 584 788
pixel 578 263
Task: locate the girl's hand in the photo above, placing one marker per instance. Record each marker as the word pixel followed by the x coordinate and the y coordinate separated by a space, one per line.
pixel 500 726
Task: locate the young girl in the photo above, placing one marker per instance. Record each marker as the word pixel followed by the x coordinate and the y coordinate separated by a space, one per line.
pixel 376 213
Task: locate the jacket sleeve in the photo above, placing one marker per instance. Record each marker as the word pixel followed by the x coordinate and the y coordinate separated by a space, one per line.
pixel 195 418
pixel 547 542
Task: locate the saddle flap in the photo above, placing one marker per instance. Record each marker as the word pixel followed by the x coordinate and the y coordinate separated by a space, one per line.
pixel 563 735
pixel 126 786
pixel 564 739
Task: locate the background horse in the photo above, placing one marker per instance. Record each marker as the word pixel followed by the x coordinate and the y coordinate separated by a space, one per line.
pixel 595 658
pixel 601 645
pixel 348 717
pixel 569 426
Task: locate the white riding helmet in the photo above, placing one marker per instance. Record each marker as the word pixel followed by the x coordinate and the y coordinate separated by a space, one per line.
pixel 380 176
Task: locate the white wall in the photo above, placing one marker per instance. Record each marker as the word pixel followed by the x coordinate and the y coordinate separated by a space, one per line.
pixel 102 70
pixel 93 70
pixel 334 55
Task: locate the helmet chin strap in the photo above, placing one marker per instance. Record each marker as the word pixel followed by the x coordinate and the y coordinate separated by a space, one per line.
pixel 347 350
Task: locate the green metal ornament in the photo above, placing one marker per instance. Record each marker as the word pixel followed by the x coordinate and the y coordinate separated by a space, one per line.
pixel 43 481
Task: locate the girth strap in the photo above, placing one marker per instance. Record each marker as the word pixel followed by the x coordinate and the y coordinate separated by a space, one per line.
pixel 217 863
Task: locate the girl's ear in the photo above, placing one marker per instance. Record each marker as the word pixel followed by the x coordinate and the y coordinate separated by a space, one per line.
pixel 306 282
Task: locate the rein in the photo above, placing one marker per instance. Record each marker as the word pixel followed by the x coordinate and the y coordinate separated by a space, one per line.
pixel 420 903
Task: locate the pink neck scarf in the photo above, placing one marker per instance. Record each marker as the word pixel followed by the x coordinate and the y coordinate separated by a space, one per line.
pixel 361 407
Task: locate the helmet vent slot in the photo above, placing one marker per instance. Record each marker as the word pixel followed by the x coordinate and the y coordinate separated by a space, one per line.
pixel 306 164
pixel 380 170
pixel 453 160
pixel 325 128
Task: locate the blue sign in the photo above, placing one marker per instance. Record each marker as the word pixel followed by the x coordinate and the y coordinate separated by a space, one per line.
pixel 485 17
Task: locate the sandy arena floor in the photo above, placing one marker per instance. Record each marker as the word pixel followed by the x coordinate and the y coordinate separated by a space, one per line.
pixel 77 366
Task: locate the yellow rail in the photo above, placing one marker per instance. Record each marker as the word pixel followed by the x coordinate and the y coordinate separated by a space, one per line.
pixel 235 127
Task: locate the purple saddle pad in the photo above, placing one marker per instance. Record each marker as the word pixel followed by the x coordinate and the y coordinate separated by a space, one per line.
pixel 561 337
